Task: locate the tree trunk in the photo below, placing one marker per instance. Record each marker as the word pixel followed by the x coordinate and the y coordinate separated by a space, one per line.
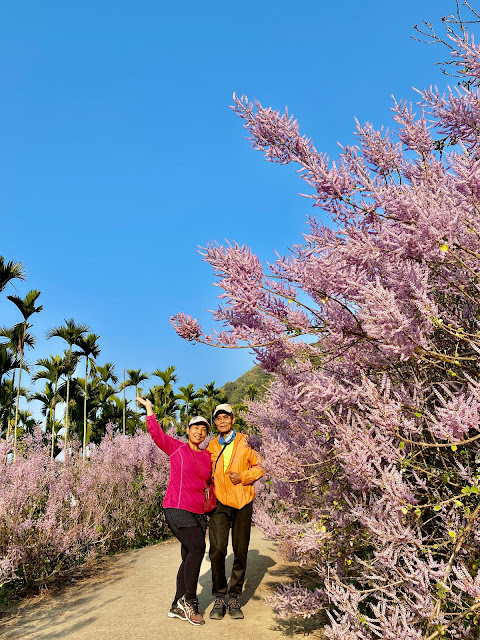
pixel 85 413
pixel 65 448
pixel 53 418
pixel 9 415
pixel 124 405
pixel 135 407
pixel 18 393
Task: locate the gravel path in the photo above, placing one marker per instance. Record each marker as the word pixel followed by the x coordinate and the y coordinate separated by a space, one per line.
pixel 126 597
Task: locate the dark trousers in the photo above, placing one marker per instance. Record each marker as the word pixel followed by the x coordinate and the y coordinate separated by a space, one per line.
pixel 193 550
pixel 239 521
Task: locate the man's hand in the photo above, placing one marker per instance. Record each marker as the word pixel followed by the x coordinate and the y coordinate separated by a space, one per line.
pixel 235 478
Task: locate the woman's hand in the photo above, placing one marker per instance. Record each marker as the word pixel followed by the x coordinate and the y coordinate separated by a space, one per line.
pixel 145 403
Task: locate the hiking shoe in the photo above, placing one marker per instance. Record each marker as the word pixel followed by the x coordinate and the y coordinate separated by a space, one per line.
pixel 234 609
pixel 176 612
pixel 219 609
pixel 190 609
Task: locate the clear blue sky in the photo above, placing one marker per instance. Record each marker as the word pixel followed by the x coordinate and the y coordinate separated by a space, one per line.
pixel 119 154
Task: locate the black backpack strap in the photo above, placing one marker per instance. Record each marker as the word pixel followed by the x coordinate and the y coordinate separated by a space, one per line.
pixel 216 461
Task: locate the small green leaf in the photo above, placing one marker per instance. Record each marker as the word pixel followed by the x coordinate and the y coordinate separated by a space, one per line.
pixel 437 507
pixel 401 445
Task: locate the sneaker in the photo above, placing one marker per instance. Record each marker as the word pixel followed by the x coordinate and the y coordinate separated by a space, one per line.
pixel 219 609
pixel 234 609
pixel 190 610
pixel 176 612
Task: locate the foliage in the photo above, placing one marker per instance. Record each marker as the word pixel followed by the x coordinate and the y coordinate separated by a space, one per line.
pixel 370 430
pixel 238 390
pixel 54 516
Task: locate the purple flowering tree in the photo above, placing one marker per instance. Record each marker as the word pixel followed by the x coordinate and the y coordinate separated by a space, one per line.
pixel 370 430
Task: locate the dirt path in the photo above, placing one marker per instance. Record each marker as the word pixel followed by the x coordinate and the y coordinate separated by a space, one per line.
pixel 126 597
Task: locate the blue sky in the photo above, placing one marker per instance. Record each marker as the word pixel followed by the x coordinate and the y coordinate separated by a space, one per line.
pixel 119 154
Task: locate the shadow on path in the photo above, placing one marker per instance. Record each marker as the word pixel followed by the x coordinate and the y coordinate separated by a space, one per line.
pixel 257 567
pixel 301 626
pixel 68 604
pixel 127 597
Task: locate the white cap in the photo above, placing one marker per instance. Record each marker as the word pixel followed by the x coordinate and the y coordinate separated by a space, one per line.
pixel 199 420
pixel 226 408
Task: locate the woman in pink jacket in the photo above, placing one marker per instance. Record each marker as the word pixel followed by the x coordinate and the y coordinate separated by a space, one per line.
pixel 190 471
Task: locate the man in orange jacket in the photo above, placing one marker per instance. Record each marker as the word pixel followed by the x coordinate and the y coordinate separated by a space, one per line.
pixel 235 469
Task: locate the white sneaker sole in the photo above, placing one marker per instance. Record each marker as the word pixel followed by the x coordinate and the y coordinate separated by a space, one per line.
pixel 175 615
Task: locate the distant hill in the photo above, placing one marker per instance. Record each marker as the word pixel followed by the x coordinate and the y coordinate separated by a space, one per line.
pixel 237 390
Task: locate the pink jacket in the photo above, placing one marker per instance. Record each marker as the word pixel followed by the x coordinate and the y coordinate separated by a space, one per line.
pixel 188 479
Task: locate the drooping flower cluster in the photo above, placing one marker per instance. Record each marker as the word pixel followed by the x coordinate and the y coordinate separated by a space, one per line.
pixel 370 430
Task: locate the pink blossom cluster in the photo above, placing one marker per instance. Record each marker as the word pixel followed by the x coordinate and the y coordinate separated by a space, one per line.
pixel 370 430
pixel 57 515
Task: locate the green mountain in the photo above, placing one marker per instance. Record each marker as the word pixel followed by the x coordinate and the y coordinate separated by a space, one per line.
pixel 255 380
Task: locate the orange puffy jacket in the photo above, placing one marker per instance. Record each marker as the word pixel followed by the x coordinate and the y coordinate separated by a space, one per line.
pixel 243 461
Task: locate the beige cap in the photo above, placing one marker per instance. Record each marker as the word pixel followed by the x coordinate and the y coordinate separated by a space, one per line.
pixel 199 420
pixel 226 408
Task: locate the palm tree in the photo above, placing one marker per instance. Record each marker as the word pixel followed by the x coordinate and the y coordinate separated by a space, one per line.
pixel 107 406
pixel 8 361
pixel 51 372
pixel 164 403
pixel 10 271
pixel 163 396
pixel 48 398
pixel 14 337
pixel 54 368
pixel 90 350
pixel 71 332
pixel 27 421
pixel 187 395
pixel 7 402
pixel 167 376
pixel 210 393
pixel 106 373
pixel 114 411
pixel 27 308
pixel 135 379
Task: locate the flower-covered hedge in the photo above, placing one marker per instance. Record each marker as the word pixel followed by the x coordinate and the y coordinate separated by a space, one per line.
pixel 57 515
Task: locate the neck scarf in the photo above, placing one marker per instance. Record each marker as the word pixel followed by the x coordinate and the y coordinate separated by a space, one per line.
pixel 228 439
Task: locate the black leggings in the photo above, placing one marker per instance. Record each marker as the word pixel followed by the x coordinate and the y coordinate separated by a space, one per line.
pixel 193 550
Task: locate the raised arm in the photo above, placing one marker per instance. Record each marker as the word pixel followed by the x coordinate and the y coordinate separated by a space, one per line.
pixel 164 442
